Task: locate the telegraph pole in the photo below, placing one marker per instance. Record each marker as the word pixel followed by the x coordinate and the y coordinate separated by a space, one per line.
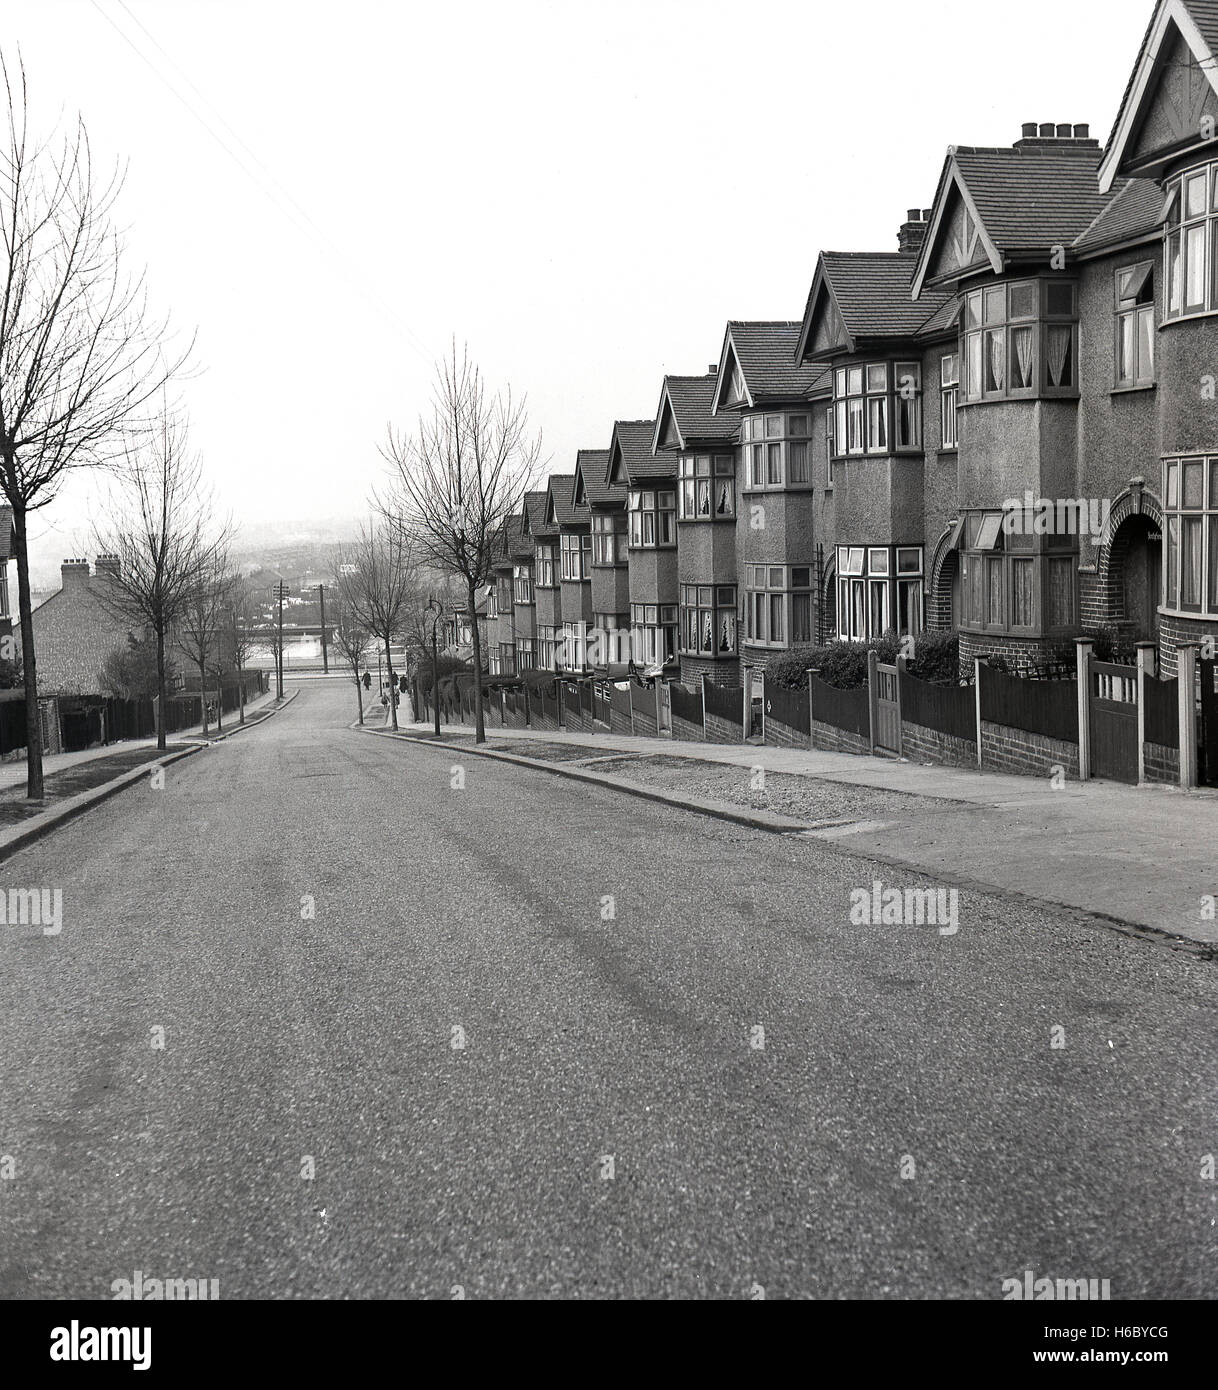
pixel 281 590
pixel 325 658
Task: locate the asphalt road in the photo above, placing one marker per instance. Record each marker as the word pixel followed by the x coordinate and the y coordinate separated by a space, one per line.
pixel 327 1044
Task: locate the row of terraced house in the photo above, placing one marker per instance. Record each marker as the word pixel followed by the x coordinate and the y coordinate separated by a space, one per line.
pixel 1045 333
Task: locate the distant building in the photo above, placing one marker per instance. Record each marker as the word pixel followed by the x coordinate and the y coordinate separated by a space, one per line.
pixel 74 631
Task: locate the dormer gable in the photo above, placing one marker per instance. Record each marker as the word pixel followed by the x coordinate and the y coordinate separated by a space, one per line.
pixel 667 433
pixel 823 330
pixel 956 240
pixel 731 388
pixel 1170 106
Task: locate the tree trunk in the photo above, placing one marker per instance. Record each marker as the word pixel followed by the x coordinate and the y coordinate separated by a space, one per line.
pixel 479 719
pixel 203 695
pixel 241 690
pixel 393 704
pixel 359 694
pixel 219 703
pixel 33 726
pixel 160 690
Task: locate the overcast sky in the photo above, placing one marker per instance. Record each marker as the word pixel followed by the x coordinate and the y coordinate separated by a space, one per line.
pixel 326 193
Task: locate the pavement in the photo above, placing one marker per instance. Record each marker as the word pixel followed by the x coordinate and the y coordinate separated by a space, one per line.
pixel 326 1019
pixel 13 773
pixel 1142 857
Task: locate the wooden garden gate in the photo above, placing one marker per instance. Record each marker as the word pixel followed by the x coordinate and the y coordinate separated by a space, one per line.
pixel 1113 701
pixel 887 709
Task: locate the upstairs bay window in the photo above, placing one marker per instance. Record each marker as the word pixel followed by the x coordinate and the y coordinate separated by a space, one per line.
pixel 776 451
pixel 1190 229
pixel 1190 515
pixel 503 600
pixel 653 519
pixel 708 490
pixel 877 408
pixel 522 575
pixel 708 619
pixel 576 556
pixel 1135 325
pixel 1020 340
pixel 609 538
pixel 543 558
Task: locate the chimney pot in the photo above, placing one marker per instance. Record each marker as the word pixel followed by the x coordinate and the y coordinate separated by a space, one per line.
pixel 913 215
pixel 1046 130
pixel 926 212
pixel 1029 130
pixel 713 369
pixel 1081 132
pixel 1064 132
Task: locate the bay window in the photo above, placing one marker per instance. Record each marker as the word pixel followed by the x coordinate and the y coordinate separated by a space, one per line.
pixel 778 605
pixel 523 577
pixel 708 619
pixel 547 646
pixel 653 632
pixel 1135 325
pixel 503 600
pixel 526 657
pixel 573 655
pixel 653 519
pixel 775 451
pixel 1190 515
pixel 609 538
pixel 707 491
pixel 576 555
pixel 1016 582
pixel 877 408
pixel 1190 230
pixel 543 556
pixel 879 590
pixel 1021 340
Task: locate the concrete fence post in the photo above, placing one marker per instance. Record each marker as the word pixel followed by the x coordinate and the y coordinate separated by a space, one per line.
pixel 977 665
pixel 873 661
pixel 630 690
pixel 1083 649
pixel 1186 685
pixel 1146 671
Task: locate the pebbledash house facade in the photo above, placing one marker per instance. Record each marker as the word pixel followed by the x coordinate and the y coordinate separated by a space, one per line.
pixel 1007 427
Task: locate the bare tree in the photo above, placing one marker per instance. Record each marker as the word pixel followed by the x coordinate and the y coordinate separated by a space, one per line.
pixel 351 637
pixel 240 609
pixel 201 629
pixel 79 353
pixel 381 588
pixel 458 478
pixel 157 536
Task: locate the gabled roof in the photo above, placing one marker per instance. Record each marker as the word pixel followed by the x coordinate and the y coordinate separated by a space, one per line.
pixel 559 510
pixel 758 358
pixel 630 453
pixel 534 514
pixel 513 533
pixel 591 488
pixel 860 298
pixel 686 418
pixel 1196 24
pixel 1134 210
pixel 1021 200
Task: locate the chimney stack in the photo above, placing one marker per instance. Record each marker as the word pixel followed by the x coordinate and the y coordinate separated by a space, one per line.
pixel 912 232
pixel 107 564
pixel 1051 135
pixel 74 572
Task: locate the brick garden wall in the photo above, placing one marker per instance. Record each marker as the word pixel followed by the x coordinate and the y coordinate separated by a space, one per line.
pixel 831 739
pixel 720 730
pixel 779 735
pixel 929 745
pixel 686 731
pixel 1162 764
pixel 1015 750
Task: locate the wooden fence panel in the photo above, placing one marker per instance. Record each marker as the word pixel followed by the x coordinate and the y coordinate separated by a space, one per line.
pixel 686 702
pixel 1162 712
pixel 1049 708
pixel 788 706
pixel 844 709
pixel 948 709
pixel 725 702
